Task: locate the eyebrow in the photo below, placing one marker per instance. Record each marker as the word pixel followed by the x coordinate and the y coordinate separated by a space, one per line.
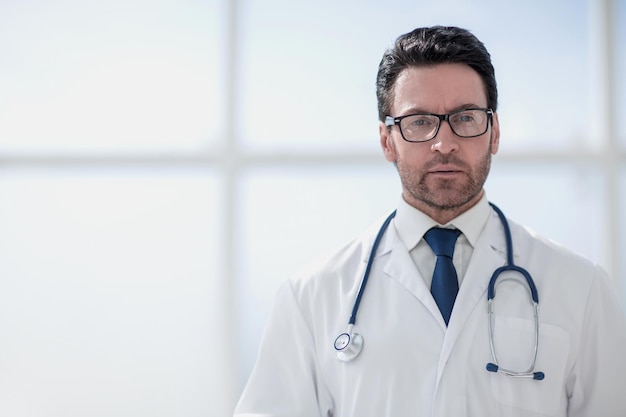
pixel 419 110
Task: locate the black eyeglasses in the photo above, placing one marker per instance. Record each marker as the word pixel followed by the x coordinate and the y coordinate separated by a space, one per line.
pixel 466 123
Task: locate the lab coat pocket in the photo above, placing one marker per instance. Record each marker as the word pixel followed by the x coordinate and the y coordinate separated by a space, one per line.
pixel 514 343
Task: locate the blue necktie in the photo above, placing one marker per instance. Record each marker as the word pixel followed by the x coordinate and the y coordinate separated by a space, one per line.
pixel 445 284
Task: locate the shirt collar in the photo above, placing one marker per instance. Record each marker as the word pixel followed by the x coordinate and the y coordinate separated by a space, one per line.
pixel 411 224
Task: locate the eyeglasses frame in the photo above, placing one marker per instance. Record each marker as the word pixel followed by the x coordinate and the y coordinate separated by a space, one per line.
pixel 391 121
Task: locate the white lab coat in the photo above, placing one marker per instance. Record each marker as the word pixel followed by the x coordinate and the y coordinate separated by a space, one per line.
pixel 411 365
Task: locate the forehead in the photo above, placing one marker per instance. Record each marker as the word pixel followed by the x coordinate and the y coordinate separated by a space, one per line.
pixel 437 89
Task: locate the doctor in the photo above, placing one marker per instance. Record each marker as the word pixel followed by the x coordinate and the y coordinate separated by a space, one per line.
pixel 422 336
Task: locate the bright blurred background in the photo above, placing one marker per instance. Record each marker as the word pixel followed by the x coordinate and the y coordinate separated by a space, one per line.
pixel 164 165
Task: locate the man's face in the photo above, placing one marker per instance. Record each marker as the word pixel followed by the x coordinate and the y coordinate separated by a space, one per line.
pixel 444 176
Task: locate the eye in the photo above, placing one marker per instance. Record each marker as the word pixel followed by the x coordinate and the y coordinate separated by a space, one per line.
pixel 464 117
pixel 419 122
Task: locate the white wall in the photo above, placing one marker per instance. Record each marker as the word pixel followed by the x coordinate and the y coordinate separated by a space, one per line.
pixel 164 165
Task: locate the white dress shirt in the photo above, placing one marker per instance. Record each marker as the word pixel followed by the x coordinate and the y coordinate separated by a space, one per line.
pixel 411 225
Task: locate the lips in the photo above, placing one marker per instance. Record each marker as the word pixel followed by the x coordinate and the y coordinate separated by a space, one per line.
pixel 445 170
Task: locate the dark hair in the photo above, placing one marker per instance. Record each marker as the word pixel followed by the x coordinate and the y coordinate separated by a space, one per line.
pixel 431 46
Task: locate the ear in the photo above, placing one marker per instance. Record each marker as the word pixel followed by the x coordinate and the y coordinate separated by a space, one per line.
pixel 495 134
pixel 386 142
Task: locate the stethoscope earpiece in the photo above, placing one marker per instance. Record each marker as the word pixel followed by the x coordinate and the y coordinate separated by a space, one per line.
pixel 348 346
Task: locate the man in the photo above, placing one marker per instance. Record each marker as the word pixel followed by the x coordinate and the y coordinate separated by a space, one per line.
pixel 421 339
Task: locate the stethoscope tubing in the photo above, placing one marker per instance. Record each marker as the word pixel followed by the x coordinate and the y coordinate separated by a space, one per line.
pixel 491 294
pixel 368 268
pixel 349 345
pixel 510 264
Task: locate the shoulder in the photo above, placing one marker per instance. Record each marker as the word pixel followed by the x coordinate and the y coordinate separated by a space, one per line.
pixel 556 267
pixel 531 245
pixel 568 283
pixel 337 268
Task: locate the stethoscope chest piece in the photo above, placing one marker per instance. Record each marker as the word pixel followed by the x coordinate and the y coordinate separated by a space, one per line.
pixel 348 346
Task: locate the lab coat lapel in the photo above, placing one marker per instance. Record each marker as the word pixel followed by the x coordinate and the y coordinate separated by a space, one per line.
pixel 400 267
pixel 489 254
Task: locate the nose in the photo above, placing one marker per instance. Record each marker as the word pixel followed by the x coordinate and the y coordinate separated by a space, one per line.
pixel 446 140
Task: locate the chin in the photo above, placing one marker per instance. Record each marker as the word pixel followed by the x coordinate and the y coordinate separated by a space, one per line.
pixel 448 199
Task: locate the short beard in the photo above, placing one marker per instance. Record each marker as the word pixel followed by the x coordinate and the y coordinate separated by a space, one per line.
pixel 445 197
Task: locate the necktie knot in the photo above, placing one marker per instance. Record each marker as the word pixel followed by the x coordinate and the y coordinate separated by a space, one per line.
pixel 442 241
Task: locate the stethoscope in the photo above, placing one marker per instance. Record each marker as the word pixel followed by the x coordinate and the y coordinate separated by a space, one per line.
pixel 349 345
